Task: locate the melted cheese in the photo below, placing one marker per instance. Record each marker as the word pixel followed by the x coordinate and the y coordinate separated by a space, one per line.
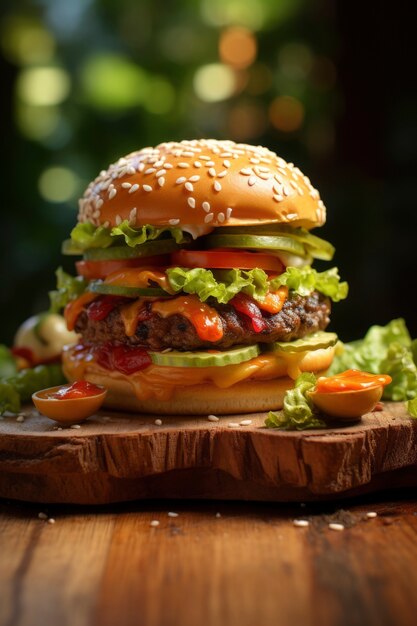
pixel 204 318
pixel 140 278
pixel 129 314
pixel 74 308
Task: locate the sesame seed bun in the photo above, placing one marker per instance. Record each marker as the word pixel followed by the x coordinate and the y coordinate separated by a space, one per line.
pixel 200 184
pixel 247 396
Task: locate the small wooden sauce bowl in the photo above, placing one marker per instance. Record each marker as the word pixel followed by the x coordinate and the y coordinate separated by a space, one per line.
pixel 67 411
pixel 347 405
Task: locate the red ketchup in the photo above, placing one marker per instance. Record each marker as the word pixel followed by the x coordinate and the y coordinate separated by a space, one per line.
pixel 99 309
pixel 122 358
pixel 351 380
pixel 246 305
pixel 79 389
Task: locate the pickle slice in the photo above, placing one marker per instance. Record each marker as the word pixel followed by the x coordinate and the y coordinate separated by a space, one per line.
pixel 97 286
pixel 256 242
pixel 316 341
pixel 150 248
pixel 69 248
pixel 210 358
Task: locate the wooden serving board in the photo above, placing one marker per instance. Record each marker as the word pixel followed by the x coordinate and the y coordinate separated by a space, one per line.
pixel 116 457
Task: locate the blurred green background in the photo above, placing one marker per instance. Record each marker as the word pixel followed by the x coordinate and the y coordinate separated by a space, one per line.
pixel 327 84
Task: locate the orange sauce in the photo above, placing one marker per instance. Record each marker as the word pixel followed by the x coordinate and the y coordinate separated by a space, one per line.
pixel 129 314
pixel 204 318
pixel 273 302
pixel 139 277
pixel 74 308
pixel 351 380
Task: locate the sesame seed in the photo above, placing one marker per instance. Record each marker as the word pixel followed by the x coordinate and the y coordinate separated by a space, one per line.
pixel 371 514
pixel 206 206
pixel 174 221
pixel 336 527
pixel 222 174
pixel 51 520
pixel 226 163
pixel 180 180
pixel 246 171
pixel 118 220
pixel 228 213
pixel 154 523
pixel 132 214
pixel 166 350
pixel 221 217
pixel 134 188
pixel 212 171
pixel 255 161
pixel 277 197
pixel 112 193
pixel 251 181
pixel 189 186
pixel 158 423
pixel 168 166
pixel 265 170
pixel 194 179
pixel 159 163
pixel 75 426
pixel 42 516
pixel 20 418
pixel 172 514
pixel 183 165
pixel 197 164
pixel 126 185
pixel 208 218
pixel 141 167
pixel 217 186
pixel 209 163
pixel 292 216
pixel 218 515
pixel 212 418
pixel 131 170
pixel 191 202
pixel 160 173
pixel 245 422
pixel 161 181
pixel 150 170
pixel 232 425
pixel 147 188
pixel 301 523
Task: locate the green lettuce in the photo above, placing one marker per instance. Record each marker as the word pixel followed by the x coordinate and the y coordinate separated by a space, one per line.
pixel 222 287
pixel 68 288
pixel 85 235
pixel 19 388
pixel 298 411
pixel 305 280
pixel 224 284
pixel 384 350
pixel 7 362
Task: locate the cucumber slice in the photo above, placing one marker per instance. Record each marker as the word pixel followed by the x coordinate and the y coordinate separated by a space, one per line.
pixel 315 341
pixel 69 248
pixel 205 359
pixel 317 247
pixel 256 242
pixel 98 286
pixel 150 248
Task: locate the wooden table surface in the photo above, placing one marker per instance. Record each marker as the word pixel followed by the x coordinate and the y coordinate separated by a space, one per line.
pixel 248 566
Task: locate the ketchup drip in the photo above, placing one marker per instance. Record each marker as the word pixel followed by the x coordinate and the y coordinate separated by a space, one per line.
pixel 122 358
pixel 100 308
pixel 246 305
pixel 79 389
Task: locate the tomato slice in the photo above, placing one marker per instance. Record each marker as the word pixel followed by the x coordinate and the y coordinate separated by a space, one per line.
pixel 225 259
pixel 100 269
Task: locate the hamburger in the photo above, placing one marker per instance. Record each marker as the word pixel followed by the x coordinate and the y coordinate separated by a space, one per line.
pixel 195 292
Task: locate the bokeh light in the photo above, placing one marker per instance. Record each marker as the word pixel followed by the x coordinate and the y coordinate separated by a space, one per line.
pixel 286 113
pixel 160 97
pixel 43 86
pixel 250 13
pixel 37 123
pixel 247 121
pixel 237 47
pixel 214 82
pixel 295 60
pixel 26 42
pixel 58 184
pixel 113 82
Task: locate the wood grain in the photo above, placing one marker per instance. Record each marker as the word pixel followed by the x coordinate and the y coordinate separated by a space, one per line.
pixel 118 457
pixel 249 566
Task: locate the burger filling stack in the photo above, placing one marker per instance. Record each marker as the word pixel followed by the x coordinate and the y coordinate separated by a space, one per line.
pixel 195 291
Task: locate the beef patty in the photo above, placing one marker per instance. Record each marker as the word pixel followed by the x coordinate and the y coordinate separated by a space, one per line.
pixel 299 316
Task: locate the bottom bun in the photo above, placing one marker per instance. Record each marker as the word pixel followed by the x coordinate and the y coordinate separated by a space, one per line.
pixel 257 388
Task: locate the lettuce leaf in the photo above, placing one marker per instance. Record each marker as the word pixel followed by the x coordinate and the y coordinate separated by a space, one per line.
pixel 19 388
pixel 305 280
pixel 224 284
pixel 85 235
pixel 222 287
pixel 68 288
pixel 298 412
pixel 7 362
pixel 384 350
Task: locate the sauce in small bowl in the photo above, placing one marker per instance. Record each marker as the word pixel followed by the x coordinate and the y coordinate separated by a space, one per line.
pixel 71 403
pixel 349 395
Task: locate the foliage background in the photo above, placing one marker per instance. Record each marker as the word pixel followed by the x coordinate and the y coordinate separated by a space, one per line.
pixel 327 84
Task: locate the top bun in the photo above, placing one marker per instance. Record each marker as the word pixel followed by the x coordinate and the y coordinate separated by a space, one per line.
pixel 200 184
